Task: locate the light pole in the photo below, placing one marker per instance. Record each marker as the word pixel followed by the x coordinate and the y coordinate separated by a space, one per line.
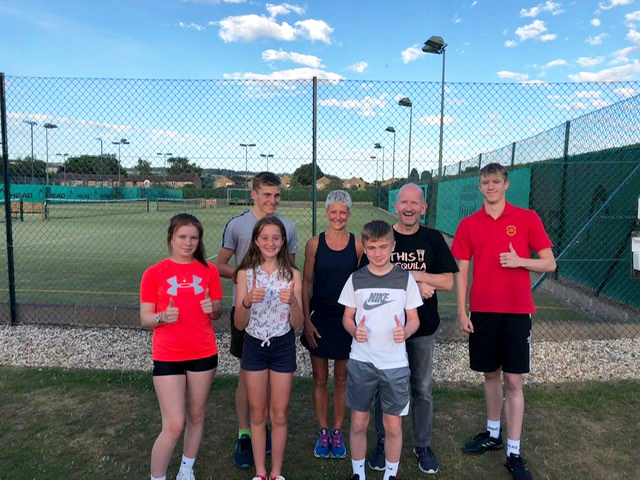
pixel 47 127
pixel 436 45
pixel 164 156
pixel 246 158
pixel 393 162
pixel 64 166
pixel 123 141
pixel 377 145
pixel 267 156
pixel 100 140
pixel 372 157
pixel 405 102
pixel 101 161
pixel 32 124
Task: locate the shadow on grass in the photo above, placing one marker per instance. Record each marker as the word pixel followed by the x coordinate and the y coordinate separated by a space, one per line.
pixel 81 424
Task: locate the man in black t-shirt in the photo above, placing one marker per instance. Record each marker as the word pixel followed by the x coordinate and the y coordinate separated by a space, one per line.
pixel 422 251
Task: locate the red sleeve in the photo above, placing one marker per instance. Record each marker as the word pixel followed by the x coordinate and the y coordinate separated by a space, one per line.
pixel 538 238
pixel 215 287
pixel 149 286
pixel 461 247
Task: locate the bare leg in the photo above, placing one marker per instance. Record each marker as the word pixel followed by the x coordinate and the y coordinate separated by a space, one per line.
pixel 393 437
pixel 514 406
pixel 257 389
pixel 198 385
pixel 281 383
pixel 170 390
pixel 242 402
pixel 358 434
pixel 319 392
pixel 340 380
pixel 493 394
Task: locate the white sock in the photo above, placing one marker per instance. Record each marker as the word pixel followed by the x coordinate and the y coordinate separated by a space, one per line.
pixel 390 469
pixel 493 428
pixel 164 477
pixel 187 462
pixel 358 468
pixel 513 446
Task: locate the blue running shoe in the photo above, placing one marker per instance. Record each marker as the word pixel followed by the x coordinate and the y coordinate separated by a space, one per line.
pixel 338 449
pixel 242 454
pixel 323 444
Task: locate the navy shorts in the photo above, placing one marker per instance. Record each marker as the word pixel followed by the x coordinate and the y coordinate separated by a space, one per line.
pixel 278 355
pixel 161 368
pixel 500 340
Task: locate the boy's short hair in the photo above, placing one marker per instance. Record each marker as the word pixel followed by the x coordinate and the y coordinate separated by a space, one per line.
pixel 376 230
pixel 494 169
pixel 266 179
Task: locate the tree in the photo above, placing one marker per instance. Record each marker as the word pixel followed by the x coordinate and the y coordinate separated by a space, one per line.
pixel 425 177
pixel 335 184
pixel 143 167
pixel 22 167
pixel 93 164
pixel 414 177
pixel 181 165
pixel 304 174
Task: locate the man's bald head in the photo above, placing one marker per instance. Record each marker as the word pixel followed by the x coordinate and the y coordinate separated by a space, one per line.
pixel 410 206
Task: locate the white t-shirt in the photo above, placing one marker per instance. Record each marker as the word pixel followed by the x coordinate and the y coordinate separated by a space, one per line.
pixel 379 298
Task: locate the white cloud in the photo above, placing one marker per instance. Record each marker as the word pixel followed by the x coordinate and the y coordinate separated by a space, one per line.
pixel 192 26
pixel 358 67
pixel 597 40
pixel 292 74
pixel 589 61
pixel 213 2
pixel 630 18
pixel 411 54
pixel 595 22
pixel 625 92
pixel 250 27
pixel 283 9
pixel 633 36
pixel 555 63
pixel 547 37
pixel 548 6
pixel 474 3
pixel 622 55
pixel 367 106
pixel 510 43
pixel 316 30
pixel 435 120
pixel 630 71
pixel 600 103
pixel 308 60
pixel 456 19
pixel 532 12
pixel 614 3
pixel 532 30
pixel 513 75
pixel 588 94
pixel 571 106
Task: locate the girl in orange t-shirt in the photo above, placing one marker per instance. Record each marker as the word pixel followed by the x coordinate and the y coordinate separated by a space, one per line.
pixel 179 297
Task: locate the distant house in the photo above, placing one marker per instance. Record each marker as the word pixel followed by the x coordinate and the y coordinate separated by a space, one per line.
pixel 322 183
pixel 354 184
pixel 286 181
pixel 389 181
pixel 223 182
pixel 114 180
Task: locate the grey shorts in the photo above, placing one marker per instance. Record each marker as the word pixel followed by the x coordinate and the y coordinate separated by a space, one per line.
pixel 363 379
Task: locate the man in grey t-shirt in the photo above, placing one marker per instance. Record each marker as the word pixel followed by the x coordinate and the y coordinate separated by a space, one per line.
pixel 236 239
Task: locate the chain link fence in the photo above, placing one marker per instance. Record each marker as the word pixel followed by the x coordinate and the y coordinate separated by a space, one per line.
pixel 98 166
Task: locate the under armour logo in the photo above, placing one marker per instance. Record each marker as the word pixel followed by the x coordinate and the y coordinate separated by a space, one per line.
pixel 173 281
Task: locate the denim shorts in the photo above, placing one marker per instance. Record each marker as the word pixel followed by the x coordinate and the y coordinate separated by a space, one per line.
pixel 277 354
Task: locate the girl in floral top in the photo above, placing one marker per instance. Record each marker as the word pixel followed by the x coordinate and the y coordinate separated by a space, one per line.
pixel 268 308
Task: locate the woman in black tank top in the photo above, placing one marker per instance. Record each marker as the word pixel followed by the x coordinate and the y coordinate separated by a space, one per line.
pixel 330 258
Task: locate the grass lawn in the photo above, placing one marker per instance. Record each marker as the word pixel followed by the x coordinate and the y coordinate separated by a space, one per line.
pixel 80 424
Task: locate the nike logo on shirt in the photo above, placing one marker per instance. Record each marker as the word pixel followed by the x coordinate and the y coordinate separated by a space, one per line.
pixel 376 300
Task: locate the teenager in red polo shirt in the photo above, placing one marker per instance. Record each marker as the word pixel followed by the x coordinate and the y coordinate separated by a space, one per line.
pixel 499 238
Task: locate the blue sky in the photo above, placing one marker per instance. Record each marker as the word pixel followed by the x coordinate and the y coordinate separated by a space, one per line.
pixel 488 40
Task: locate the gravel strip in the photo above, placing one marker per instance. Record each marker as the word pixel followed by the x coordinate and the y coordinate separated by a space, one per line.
pixel 123 349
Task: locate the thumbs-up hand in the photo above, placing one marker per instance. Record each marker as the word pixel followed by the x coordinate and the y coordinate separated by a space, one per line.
pixel 206 304
pixel 255 295
pixel 398 331
pixel 286 295
pixel 171 313
pixel 361 331
pixel 510 259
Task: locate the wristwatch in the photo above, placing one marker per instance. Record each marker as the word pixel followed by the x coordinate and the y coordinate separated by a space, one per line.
pixel 159 318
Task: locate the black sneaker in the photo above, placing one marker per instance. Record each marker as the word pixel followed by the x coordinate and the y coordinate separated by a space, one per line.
pixel 355 477
pixel 518 467
pixel 268 443
pixel 376 457
pixel 242 454
pixel 483 442
pixel 427 461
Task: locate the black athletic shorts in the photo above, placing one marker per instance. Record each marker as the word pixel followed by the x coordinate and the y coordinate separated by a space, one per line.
pixel 500 340
pixel 237 337
pixel 181 368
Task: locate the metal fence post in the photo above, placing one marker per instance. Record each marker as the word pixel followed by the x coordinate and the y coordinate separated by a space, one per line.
pixel 314 158
pixel 513 153
pixel 480 162
pixel 7 202
pixel 563 188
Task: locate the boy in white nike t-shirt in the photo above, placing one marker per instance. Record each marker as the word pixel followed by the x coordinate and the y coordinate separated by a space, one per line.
pixel 380 313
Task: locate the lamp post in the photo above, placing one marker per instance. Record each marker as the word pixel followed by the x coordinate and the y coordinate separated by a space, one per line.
pixel 100 140
pixel 164 157
pixel 436 45
pixel 378 146
pixel 267 156
pixel 64 161
pixel 32 124
pixel 405 102
pixel 372 157
pixel 123 141
pixel 47 127
pixel 393 162
pixel 246 158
